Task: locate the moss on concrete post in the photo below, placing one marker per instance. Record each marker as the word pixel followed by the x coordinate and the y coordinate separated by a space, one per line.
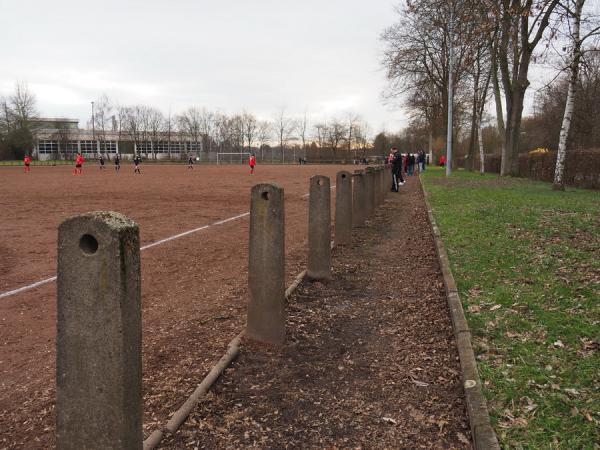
pixel 319 229
pixel 266 265
pixel 99 333
pixel 343 208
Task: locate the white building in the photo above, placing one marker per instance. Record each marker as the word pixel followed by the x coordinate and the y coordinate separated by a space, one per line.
pixel 61 138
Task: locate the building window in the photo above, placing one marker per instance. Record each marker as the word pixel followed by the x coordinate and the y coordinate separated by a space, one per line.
pixel 72 147
pixel 46 147
pixel 89 147
pixel 108 146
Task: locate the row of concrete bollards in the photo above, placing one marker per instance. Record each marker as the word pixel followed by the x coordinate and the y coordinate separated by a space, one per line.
pixel 99 332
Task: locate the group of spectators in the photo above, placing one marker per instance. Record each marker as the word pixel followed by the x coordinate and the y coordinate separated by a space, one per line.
pixel 404 163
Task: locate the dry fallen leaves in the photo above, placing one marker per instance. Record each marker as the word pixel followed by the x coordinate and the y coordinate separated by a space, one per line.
pixel 474 308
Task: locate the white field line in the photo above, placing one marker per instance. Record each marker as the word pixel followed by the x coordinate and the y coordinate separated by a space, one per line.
pixel 29 286
pixel 154 244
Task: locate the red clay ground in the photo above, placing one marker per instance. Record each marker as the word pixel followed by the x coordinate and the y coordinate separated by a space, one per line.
pixel 370 359
pixel 193 291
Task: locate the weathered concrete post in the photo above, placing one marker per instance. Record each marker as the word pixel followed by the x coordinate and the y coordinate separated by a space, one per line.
pixel 343 208
pixel 369 185
pixel 358 198
pixel 378 194
pixel 382 183
pixel 319 229
pixel 266 265
pixel 99 333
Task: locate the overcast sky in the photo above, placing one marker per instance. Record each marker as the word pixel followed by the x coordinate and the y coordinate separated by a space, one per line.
pixel 321 56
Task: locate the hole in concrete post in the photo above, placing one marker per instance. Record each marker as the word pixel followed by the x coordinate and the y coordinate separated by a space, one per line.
pixel 265 195
pixel 88 244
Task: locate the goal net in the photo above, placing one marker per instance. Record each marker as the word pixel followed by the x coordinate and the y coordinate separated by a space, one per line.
pixel 232 158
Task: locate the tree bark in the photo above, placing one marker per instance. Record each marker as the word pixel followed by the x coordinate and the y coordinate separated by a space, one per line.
pixel 481 153
pixel 569 107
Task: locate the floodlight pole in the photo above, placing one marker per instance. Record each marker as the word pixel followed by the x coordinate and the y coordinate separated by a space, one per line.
pixel 93 127
pixel 450 92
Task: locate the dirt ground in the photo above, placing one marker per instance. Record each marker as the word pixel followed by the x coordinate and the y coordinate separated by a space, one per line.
pixel 370 360
pixel 193 289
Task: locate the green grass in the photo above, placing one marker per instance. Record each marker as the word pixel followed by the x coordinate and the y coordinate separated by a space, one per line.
pixel 527 264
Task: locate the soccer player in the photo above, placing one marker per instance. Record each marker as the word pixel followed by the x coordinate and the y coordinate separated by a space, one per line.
pixel 117 163
pixel 27 162
pixel 190 162
pixel 79 160
pixel 252 163
pixel 101 159
pixel 136 162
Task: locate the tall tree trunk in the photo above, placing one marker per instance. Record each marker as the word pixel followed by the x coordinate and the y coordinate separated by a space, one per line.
pixel 566 123
pixel 470 165
pixel 497 98
pixel 481 153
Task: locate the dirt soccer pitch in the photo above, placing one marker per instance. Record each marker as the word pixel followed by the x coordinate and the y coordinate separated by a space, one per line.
pixel 193 287
pixel 371 352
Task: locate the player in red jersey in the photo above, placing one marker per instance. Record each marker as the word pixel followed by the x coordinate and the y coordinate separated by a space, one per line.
pixel 27 162
pixel 79 160
pixel 252 163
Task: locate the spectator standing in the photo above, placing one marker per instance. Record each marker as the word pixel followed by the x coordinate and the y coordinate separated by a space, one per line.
pixel 397 179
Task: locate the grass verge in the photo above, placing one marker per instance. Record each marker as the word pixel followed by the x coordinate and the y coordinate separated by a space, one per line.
pixel 526 260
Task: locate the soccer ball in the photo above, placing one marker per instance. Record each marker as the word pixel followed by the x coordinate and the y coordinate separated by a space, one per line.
pixel 197 158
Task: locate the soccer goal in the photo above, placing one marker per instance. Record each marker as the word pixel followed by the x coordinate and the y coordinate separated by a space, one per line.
pixel 232 158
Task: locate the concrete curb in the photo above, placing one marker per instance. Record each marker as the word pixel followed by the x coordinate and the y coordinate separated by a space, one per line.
pixel 484 436
pixel 179 417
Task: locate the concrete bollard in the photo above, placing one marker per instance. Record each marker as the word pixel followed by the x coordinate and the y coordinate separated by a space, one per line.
pixel 378 179
pixel 358 198
pixel 319 229
pixel 374 174
pixel 99 333
pixel 384 172
pixel 369 185
pixel 343 208
pixel 266 265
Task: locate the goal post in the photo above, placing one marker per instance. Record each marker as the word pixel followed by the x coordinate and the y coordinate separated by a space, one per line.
pixel 232 157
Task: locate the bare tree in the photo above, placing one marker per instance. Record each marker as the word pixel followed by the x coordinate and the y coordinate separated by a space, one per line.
pixel 335 135
pixel 122 115
pixel 250 125
pixel 302 129
pixel 417 57
pixel 264 132
pixel 136 125
pixel 207 125
pixel 17 125
pixel 522 25
pixel 575 21
pixel 481 73
pixel 63 136
pixel 157 125
pixel 102 119
pixel 285 128
pixel 320 133
pixel 22 105
pixel 190 123
pixel 236 130
pixel 169 131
